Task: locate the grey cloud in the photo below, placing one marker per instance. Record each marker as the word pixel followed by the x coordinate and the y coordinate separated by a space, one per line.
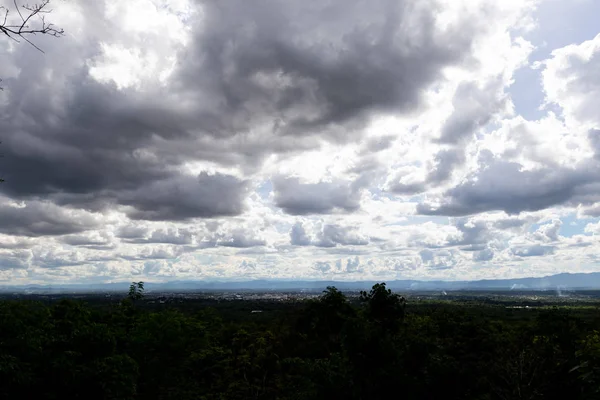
pixel 509 223
pixel 94 241
pixel 503 185
pixel 257 78
pixel 353 265
pixel 171 236
pixel 439 259
pixel 532 250
pixel 440 170
pixel 298 198
pixel 329 236
pixel 473 109
pixel 322 266
pixel 444 163
pixel 332 235
pixel 153 267
pixel 548 232
pixel 154 253
pixel 594 138
pixel 474 234
pixel 376 144
pixel 407 188
pixel 241 238
pixel 312 66
pixel 426 255
pixel 483 255
pixel 187 197
pixel 132 231
pixel 16 259
pixel 44 219
pixel 298 235
pixel 247 265
pixel 350 265
pixel 55 258
pixel 15 242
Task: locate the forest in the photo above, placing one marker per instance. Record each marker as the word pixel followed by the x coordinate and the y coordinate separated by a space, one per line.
pixel 377 345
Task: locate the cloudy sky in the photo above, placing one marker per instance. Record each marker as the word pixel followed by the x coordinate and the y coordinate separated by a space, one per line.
pixel 233 139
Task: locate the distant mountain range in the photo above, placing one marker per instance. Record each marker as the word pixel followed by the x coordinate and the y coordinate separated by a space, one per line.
pixel 560 281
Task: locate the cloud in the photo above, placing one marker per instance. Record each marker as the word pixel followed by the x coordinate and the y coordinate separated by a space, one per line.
pixel 507 186
pixel 483 255
pixel 571 80
pixel 297 198
pixel 317 67
pixel 91 240
pixel 534 250
pixel 187 197
pixel 288 139
pixel 15 259
pixel 241 238
pixel 332 235
pixel 473 234
pixel 548 232
pixel 327 235
pixel 298 235
pixel 171 236
pixel 36 218
pixel 474 107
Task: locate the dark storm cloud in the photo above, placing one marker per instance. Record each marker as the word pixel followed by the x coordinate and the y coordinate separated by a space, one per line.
pixel 311 65
pixel 187 197
pixel 43 219
pixel 503 185
pixel 258 78
pixel 298 198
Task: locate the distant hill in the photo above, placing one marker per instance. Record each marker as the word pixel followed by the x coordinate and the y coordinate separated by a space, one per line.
pixel 560 281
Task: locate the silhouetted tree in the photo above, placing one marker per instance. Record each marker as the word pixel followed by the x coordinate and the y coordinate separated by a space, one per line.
pixel 136 291
pixel 383 307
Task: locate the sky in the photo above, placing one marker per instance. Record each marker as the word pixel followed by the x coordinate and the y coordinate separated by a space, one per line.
pixel 333 140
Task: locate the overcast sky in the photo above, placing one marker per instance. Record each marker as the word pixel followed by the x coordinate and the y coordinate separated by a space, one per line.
pixel 341 139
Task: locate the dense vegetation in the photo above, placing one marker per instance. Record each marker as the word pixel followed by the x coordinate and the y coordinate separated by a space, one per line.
pixel 329 348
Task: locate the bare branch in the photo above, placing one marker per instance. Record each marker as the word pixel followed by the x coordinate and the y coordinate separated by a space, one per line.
pixel 30 22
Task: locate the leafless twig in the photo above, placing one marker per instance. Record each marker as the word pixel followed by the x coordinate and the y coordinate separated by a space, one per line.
pixel 29 20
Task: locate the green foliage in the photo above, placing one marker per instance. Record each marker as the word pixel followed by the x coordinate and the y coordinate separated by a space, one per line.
pixel 136 291
pixel 326 348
